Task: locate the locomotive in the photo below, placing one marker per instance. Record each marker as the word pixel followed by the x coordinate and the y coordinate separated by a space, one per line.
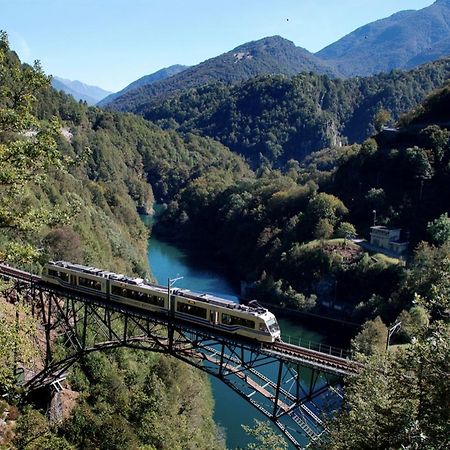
pixel 252 321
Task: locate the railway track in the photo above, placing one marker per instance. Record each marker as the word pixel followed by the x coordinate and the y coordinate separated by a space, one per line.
pixel 333 363
pixel 290 352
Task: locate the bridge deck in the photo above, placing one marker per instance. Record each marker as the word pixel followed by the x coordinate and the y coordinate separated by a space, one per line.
pixel 285 351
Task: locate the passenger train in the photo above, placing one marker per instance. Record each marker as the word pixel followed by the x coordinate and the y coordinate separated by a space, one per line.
pixel 252 321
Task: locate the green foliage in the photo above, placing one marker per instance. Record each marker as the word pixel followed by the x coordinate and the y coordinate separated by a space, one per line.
pixel 346 230
pixel 429 279
pixel 275 118
pixel 266 438
pixel 381 118
pixel 414 322
pixel 439 229
pixel 17 347
pixel 372 338
pixel 27 150
pixel 139 400
pixel 399 400
pixel 268 290
pixel 33 433
pixel 434 109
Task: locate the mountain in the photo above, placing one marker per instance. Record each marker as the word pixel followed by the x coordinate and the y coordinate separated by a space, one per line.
pixel 273 118
pixel 401 41
pixel 147 79
pixel 80 91
pixel 271 55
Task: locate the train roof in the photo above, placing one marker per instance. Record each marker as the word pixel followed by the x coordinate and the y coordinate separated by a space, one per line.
pixel 224 303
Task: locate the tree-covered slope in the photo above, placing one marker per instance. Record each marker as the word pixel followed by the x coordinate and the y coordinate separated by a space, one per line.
pixel 279 118
pixel 404 40
pixel 271 55
pixel 276 229
pixel 147 79
pixel 72 180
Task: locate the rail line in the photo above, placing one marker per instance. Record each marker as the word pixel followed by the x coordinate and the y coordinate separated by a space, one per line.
pixel 288 352
pixel 314 358
pixel 282 380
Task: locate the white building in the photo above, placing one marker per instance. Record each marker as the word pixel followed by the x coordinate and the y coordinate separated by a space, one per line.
pixel 388 238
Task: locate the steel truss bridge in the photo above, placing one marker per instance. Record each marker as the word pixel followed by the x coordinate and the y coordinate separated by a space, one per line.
pixel 292 386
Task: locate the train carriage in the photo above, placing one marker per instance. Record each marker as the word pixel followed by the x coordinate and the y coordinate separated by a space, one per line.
pixel 136 292
pixel 85 279
pixel 227 316
pixel 253 322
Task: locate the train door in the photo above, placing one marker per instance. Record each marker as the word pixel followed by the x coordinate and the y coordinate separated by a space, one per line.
pixel 73 280
pixel 214 317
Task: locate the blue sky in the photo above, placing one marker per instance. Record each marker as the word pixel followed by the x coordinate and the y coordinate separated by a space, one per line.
pixel 110 43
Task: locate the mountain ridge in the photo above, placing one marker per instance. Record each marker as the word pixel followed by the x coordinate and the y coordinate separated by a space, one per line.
pixel 159 75
pixel 272 55
pixel 79 90
pixel 401 41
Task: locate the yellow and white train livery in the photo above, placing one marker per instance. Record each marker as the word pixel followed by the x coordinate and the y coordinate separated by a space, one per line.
pixel 254 322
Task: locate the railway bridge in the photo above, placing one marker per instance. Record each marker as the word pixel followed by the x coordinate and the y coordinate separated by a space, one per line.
pixel 291 385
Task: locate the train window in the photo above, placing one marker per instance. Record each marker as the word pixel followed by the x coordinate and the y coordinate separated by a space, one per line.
pixel 61 275
pixel 273 326
pixel 228 319
pixel 92 284
pixel 155 300
pixel 117 290
pixel 191 309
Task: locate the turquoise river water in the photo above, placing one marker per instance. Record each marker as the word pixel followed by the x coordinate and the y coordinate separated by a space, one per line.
pixel 231 411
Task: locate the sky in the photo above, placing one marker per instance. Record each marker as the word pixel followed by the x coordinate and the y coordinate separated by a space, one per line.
pixel 110 43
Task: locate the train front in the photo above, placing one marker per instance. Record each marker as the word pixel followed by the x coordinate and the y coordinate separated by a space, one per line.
pixel 272 325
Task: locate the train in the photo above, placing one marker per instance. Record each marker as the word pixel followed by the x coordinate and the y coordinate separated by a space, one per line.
pixel 251 321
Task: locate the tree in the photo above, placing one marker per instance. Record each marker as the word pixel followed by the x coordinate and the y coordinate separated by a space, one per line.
pixel 345 230
pixel 414 322
pixel 381 118
pixel 372 338
pixel 33 433
pixel 27 150
pixel 325 206
pixel 266 438
pixel 323 229
pixel 17 347
pixel 439 229
pixel 399 400
pixel 428 279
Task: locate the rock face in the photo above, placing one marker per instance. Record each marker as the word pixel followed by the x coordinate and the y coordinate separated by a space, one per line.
pixel 401 41
pixel 62 404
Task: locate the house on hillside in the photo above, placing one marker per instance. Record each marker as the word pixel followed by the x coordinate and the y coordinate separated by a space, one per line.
pixel 388 239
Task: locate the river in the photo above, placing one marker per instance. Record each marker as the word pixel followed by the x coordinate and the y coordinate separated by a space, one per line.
pixel 231 411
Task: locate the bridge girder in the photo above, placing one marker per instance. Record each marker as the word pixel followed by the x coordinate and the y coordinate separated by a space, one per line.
pixel 292 394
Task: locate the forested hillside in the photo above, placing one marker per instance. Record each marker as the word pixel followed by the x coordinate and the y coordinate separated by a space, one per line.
pixel 273 119
pixel 159 75
pixel 73 180
pixel 271 55
pixel 276 228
